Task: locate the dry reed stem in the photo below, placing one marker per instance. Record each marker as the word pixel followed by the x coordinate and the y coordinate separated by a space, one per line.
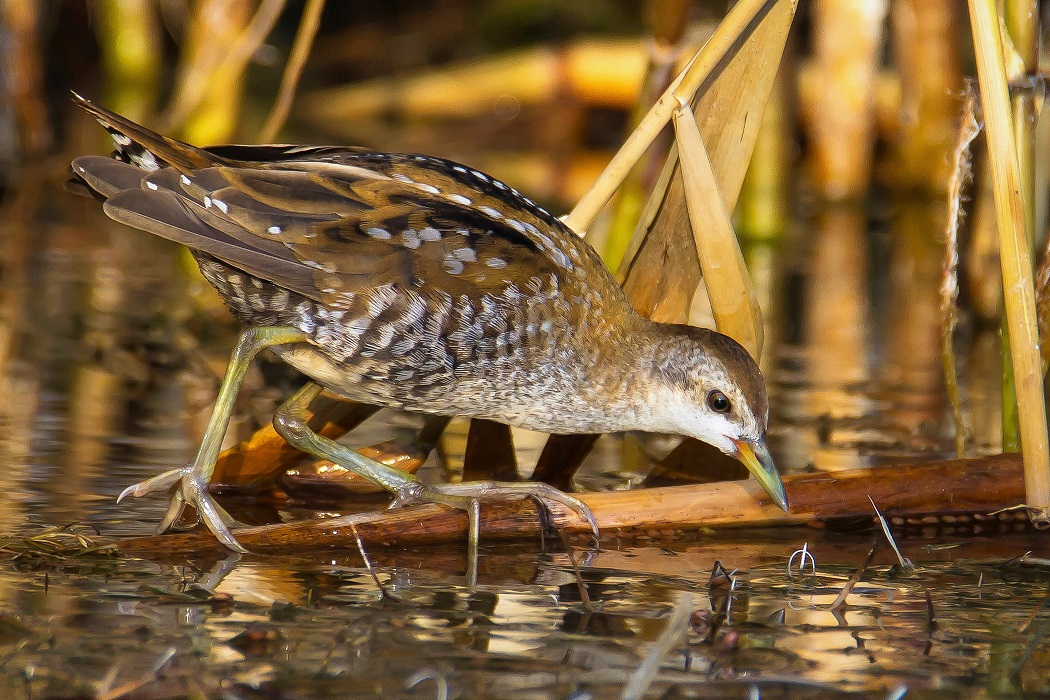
pixel 733 298
pixel 1018 290
pixel 736 25
pixel 837 103
pixel 304 40
pixel 961 174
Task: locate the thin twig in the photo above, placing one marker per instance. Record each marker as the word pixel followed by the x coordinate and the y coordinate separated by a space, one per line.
pixel 904 561
pixel 193 85
pixel 854 579
pixel 803 556
pixel 368 562
pixel 1035 613
pixel 585 597
pixel 106 692
pixel 304 39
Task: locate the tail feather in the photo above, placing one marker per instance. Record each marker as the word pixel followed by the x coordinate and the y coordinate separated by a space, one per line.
pixel 146 148
pixel 107 176
pixel 152 199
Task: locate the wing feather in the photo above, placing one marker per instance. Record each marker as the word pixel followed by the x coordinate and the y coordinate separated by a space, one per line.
pixel 162 213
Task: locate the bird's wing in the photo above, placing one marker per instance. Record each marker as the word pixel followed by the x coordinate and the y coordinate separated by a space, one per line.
pixel 331 222
pixel 358 230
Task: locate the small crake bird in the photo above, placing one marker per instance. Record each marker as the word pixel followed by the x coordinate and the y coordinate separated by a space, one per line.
pixel 418 283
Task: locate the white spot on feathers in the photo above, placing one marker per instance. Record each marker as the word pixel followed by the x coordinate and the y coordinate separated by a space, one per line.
pixel 453 266
pixel 465 254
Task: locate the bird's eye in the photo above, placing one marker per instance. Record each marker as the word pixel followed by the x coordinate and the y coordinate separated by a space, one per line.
pixel 718 402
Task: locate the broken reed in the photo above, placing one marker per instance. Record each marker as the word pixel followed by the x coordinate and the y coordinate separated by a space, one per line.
pixel 961 175
pixel 737 24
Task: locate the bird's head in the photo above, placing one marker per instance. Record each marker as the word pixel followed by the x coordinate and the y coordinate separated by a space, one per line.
pixel 712 389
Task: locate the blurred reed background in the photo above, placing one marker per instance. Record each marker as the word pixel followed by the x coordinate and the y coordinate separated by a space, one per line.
pixel 851 174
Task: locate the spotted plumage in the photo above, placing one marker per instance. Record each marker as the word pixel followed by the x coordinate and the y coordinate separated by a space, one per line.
pixel 424 284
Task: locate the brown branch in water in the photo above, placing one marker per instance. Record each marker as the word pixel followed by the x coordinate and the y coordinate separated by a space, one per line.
pixel 304 40
pixel 962 173
pixel 969 486
pixel 840 599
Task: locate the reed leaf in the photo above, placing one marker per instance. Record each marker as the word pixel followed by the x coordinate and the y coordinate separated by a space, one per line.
pixel 661 270
pixel 729 288
pixel 748 21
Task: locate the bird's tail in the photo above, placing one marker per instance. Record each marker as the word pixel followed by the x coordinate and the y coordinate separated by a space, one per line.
pixel 146 148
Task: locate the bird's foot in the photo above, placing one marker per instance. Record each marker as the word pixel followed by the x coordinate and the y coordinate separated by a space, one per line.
pixel 190 489
pixel 467 496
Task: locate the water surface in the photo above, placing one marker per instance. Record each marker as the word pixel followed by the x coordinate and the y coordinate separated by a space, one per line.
pixel 109 355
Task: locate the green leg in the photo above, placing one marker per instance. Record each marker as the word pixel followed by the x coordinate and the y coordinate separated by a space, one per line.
pixel 290 421
pixel 192 479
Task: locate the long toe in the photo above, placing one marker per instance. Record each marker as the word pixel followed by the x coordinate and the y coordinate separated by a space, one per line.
pixel 195 491
pixel 461 496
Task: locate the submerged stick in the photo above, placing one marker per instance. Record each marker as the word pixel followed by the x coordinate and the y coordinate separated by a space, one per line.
pixel 1015 258
pixel 968 486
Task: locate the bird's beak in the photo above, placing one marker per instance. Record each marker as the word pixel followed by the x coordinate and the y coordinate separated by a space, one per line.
pixel 755 456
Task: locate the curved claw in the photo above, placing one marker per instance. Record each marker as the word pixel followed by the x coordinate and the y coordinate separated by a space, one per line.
pixel 546 492
pixel 156 483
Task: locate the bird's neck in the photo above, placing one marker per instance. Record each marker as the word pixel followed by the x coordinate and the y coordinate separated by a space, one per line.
pixel 626 374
